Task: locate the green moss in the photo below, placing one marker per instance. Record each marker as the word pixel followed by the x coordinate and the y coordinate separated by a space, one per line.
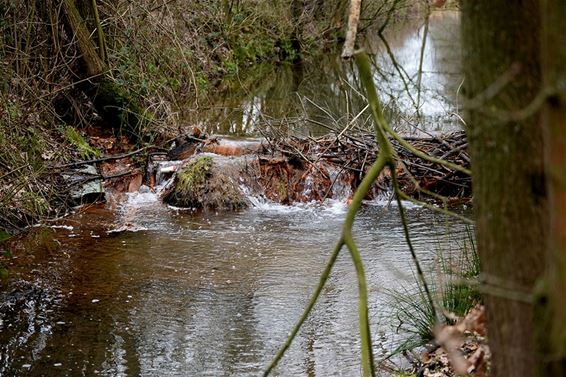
pixel 194 174
pixel 86 151
pixel 190 185
pixel 281 190
pixel 201 184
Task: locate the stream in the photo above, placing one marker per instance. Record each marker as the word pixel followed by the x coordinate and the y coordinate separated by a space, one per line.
pixel 215 294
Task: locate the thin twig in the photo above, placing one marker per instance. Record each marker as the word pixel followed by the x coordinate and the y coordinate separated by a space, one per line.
pixel 102 159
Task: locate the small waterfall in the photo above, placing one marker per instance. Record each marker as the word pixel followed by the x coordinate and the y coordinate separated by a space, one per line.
pixel 341 188
pixel 130 209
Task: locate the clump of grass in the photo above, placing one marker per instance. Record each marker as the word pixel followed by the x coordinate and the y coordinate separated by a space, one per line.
pixel 415 316
pixel 75 138
pixel 458 295
pixel 455 296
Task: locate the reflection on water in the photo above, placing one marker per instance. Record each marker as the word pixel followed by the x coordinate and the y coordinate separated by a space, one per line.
pixel 207 295
pixel 307 99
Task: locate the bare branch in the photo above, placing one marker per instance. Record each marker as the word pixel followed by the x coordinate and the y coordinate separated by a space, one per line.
pixel 353 20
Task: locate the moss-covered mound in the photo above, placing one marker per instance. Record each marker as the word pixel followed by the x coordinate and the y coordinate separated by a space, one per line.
pixel 202 184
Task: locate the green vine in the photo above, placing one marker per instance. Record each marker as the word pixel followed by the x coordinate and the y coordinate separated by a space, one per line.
pixel 386 158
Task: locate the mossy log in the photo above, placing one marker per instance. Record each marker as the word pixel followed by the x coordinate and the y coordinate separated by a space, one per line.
pixel 201 185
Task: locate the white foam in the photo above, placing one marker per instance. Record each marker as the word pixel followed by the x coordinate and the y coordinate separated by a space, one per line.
pixel 335 206
pixel 139 199
pixel 127 228
pixel 380 202
pixel 67 227
pixel 185 209
pixel 260 203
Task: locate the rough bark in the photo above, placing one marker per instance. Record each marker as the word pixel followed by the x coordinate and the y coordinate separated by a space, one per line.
pixel 553 336
pixel 508 176
pixel 94 66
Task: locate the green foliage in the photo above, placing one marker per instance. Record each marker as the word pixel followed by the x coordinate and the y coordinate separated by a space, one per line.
pixel 12 110
pixel 34 203
pixel 75 138
pixel 230 67
pixel 4 235
pixel 289 52
pixel 202 81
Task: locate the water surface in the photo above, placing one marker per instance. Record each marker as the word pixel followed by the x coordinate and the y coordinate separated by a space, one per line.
pixel 312 98
pixel 207 294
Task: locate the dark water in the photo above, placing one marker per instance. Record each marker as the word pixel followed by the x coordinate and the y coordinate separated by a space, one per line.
pixel 183 294
pixel 206 295
pixel 312 98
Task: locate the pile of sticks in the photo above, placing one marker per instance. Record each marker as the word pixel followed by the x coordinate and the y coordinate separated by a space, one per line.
pixel 353 155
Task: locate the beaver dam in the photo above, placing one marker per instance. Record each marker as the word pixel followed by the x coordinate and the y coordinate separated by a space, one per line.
pixel 217 173
pixel 294 170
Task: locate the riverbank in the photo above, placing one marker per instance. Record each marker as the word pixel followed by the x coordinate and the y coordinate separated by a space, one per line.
pixel 164 63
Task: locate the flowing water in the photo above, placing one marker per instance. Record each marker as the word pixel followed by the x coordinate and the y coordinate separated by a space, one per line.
pixel 186 294
pixel 136 288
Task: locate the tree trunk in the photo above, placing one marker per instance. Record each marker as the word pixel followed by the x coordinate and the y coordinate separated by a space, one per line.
pixel 94 66
pixel 508 177
pixel 115 105
pixel 553 338
pixel 353 19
